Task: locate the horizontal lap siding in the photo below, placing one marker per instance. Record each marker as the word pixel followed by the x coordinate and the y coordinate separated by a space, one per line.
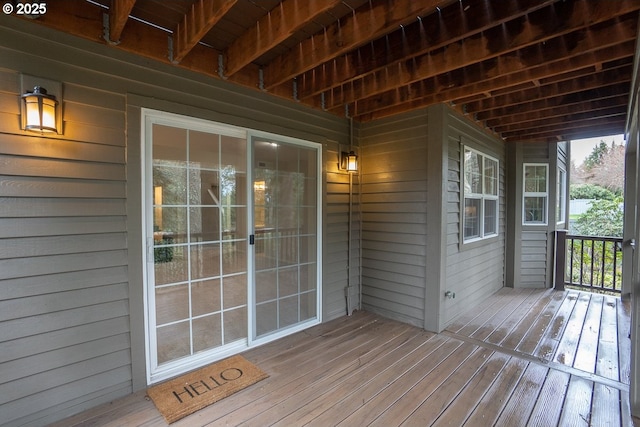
pixel 477 271
pixel 394 183
pixel 535 247
pixel 63 260
pixel 338 270
pixel 66 270
pixel 533 260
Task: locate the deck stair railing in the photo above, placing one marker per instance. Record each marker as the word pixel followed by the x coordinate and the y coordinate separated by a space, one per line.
pixel 591 263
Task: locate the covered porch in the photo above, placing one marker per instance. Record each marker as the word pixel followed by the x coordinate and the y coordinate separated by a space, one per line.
pixel 523 357
pixel 432 259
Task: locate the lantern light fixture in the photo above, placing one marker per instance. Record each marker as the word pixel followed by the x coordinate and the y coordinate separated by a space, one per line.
pixel 349 161
pixel 40 111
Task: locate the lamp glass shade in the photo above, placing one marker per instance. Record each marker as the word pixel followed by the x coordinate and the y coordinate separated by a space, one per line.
pixel 352 162
pixel 40 111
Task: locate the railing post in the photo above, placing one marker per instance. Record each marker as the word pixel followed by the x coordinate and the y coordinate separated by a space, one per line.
pixel 561 259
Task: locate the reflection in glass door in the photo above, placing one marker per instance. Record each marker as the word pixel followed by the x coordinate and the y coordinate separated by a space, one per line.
pixel 285 216
pixel 198 280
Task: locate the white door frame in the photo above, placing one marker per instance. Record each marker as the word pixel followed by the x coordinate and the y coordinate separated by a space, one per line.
pixel 156 373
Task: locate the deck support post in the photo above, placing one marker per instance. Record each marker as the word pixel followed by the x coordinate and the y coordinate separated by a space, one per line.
pixel 561 259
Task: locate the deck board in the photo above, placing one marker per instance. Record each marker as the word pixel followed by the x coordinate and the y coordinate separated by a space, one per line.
pixel 549 328
pixel 493 401
pixel 624 341
pixel 460 409
pixel 608 363
pixel 498 364
pixel 523 399
pixel 606 408
pixel 365 384
pixel 568 343
pixel 535 323
pixel 587 347
pixel 434 405
pixel 577 407
pixel 391 398
pixel 548 406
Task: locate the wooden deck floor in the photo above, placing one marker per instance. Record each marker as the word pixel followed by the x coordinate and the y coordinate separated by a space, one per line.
pixel 526 357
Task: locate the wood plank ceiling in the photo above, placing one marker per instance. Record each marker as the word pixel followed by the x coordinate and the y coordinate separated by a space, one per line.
pixel 528 70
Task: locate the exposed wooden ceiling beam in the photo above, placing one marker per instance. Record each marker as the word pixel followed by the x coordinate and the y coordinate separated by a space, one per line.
pixel 574 128
pixel 615 69
pixel 473 80
pixel 272 29
pixel 502 105
pixel 576 113
pixel 526 69
pixel 202 16
pixel 562 105
pixel 369 22
pixel 568 134
pixel 450 25
pixel 497 42
pixel 84 19
pixel 565 111
pixel 118 16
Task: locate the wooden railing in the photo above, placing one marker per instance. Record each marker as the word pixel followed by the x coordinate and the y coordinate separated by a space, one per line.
pixel 589 262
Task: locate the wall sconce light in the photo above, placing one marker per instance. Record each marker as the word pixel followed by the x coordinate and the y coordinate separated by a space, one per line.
pixel 348 161
pixel 39 111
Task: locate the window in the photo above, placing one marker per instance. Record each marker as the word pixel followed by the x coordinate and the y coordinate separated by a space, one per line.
pixel 536 193
pixel 561 198
pixel 480 194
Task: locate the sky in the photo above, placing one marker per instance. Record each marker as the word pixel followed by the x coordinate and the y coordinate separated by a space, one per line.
pixel 581 148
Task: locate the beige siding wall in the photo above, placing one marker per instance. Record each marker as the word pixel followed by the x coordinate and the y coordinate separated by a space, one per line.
pixel 339 210
pixel 64 327
pixel 411 248
pixel 71 331
pixel 473 271
pixel 536 249
pixel 394 232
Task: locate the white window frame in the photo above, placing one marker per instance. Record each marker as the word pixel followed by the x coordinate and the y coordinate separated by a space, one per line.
pixel 535 194
pixel 561 195
pixel 483 196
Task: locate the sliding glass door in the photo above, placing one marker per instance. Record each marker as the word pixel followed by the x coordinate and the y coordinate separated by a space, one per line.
pixel 232 238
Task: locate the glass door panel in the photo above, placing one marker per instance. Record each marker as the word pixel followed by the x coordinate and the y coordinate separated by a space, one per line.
pixel 285 226
pixel 199 209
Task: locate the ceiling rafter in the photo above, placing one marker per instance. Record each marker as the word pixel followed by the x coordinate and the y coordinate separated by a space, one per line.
pixel 118 16
pixel 84 19
pixel 510 72
pixel 369 22
pixel 576 128
pixel 502 105
pixel 596 99
pixel 273 29
pixel 528 69
pixel 574 113
pixel 448 95
pixel 423 36
pixel 500 41
pixel 202 16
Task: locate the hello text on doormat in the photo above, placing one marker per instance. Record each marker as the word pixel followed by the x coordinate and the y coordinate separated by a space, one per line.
pixel 195 390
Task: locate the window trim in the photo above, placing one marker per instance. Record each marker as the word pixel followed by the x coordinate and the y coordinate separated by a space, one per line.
pixel 561 195
pixel 537 194
pixel 483 197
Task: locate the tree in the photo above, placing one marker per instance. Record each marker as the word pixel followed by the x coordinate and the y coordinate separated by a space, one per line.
pixel 603 167
pixel 609 173
pixel 603 218
pixel 591 191
pixel 596 156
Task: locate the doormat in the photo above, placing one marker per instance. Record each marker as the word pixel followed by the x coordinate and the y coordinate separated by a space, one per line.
pixel 188 393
